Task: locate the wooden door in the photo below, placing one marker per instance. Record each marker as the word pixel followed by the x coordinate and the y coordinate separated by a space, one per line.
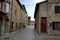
pixel 43 24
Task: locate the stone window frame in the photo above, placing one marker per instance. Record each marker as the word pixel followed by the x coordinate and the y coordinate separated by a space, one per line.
pixel 57 9
pixel 9 7
pixel 56 4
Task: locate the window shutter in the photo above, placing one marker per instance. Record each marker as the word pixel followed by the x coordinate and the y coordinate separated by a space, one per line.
pixel 57 9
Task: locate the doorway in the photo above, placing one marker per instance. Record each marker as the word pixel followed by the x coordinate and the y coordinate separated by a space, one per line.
pixel 43 24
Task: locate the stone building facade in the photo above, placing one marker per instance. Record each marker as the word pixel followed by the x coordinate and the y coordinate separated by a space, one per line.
pixel 5 16
pixel 53 17
pixel 47 17
pixel 11 16
pixel 17 15
pixel 29 19
pixel 25 16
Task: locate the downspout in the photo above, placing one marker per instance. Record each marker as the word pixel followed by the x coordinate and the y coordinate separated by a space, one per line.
pixel 0 22
pixel 11 17
pixel 47 17
pixel 39 18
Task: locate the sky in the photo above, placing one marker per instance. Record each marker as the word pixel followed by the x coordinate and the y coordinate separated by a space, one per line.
pixel 30 6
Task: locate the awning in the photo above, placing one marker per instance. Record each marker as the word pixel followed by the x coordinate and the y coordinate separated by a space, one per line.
pixel 2 13
pixel 2 16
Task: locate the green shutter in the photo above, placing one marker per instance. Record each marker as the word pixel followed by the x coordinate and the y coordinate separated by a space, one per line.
pixel 57 9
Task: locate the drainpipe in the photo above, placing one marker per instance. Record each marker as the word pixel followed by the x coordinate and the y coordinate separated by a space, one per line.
pixel 47 17
pixel 11 17
pixel 0 20
pixel 39 19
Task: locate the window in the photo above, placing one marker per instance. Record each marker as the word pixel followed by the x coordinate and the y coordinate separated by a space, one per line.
pixel 57 9
pixel 56 26
pixel 7 7
pixel 15 12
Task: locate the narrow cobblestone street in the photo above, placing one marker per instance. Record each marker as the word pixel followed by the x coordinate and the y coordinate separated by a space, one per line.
pixel 29 20
pixel 28 33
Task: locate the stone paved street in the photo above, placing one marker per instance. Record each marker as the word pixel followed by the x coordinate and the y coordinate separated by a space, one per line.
pixel 28 33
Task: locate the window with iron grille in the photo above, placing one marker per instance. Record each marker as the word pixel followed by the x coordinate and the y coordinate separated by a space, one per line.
pixel 56 25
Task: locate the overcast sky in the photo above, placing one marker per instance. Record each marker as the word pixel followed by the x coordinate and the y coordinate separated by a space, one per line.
pixel 30 6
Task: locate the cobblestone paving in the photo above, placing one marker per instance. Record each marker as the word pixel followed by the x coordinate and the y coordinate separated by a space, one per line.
pixel 28 33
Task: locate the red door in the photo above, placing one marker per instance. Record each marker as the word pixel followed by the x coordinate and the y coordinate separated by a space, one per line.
pixel 43 24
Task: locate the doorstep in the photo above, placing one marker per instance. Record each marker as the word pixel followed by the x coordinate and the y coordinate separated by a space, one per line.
pixel 43 34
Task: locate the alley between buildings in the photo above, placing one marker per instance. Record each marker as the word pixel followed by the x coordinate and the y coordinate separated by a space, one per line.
pixel 28 33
